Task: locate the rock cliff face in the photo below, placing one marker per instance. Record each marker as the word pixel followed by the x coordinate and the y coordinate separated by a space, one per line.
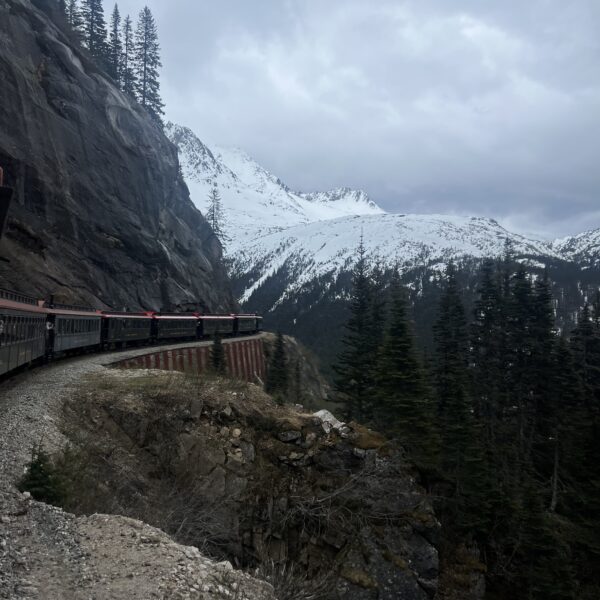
pixel 316 504
pixel 101 214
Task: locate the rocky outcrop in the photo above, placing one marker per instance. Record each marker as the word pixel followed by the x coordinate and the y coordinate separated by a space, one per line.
pixel 101 214
pixel 306 384
pixel 223 468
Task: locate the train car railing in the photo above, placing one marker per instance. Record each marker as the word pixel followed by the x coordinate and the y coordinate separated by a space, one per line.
pixel 17 297
pixel 73 307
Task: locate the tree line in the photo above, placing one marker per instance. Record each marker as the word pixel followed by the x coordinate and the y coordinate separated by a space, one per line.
pixel 503 421
pixel 130 55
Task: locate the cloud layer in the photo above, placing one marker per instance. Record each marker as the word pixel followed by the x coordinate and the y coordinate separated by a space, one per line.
pixel 488 108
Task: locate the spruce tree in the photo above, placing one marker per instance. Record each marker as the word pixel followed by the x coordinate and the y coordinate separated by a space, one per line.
pixel 147 64
pixel 404 405
pixel 94 30
pixel 214 213
pixel 462 458
pixel 115 46
pixel 353 381
pixel 42 480
pixel 128 82
pixel 277 373
pixel 298 392
pixel 217 356
pixel 74 18
pixel 486 350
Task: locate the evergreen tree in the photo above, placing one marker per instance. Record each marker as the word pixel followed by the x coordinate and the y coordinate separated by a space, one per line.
pixel 94 30
pixel 277 373
pixel 298 392
pixel 214 214
pixel 115 46
pixel 463 458
pixel 486 350
pixel 147 64
pixel 585 342
pixel 404 404
pixel 217 356
pixel 74 18
pixel 543 557
pixel 42 480
pixel 354 382
pixel 128 82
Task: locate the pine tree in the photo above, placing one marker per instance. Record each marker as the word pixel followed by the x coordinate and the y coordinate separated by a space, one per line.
pixel 147 64
pixel 74 18
pixel 404 404
pixel 353 381
pixel 298 392
pixel 463 458
pixel 217 356
pixel 115 46
pixel 42 480
pixel 486 350
pixel 94 30
pixel 277 373
pixel 128 82
pixel 214 213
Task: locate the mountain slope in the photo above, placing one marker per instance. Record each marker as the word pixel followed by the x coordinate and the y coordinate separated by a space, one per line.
pixel 255 202
pixel 407 241
pixel 292 254
pixel 583 248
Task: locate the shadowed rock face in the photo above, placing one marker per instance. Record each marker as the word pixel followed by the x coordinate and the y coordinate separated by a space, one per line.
pixel 100 213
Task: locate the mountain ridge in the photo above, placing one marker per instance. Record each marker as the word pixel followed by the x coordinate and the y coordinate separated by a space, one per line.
pixel 273 229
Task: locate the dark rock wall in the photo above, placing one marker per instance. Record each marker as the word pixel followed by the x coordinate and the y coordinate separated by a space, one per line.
pixel 101 214
pixel 220 466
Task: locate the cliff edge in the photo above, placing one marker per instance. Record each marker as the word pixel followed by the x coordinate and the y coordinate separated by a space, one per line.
pixel 100 213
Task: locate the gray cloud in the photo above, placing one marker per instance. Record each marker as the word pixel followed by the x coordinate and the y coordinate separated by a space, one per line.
pixel 489 108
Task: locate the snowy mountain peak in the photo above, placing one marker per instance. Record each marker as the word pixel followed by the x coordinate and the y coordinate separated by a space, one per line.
pixel 256 202
pixel 346 199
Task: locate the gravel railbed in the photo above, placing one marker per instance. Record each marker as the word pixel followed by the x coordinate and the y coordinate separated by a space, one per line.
pixel 47 553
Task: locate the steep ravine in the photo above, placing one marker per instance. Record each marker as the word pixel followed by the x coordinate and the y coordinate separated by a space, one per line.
pixel 101 214
pixel 218 465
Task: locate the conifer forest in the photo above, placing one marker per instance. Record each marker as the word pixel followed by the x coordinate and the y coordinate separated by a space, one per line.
pixel 502 421
pixel 129 54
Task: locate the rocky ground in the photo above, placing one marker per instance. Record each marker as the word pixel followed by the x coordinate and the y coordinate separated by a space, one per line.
pixel 49 554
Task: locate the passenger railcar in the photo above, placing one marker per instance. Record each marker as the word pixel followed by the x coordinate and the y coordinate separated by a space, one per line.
pixel 176 326
pixel 122 328
pixel 211 325
pixel 22 331
pixel 73 328
pixel 33 330
pixel 245 324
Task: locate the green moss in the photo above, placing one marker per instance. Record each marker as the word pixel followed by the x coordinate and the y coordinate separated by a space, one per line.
pixel 359 577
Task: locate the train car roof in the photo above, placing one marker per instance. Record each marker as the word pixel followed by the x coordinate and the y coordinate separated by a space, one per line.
pixel 126 315
pixel 222 317
pixel 21 306
pixel 74 313
pixel 177 317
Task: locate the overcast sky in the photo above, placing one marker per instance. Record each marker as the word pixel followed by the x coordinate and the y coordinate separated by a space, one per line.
pixel 487 107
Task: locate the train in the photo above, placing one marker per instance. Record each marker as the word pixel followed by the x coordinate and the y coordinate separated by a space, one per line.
pixel 35 331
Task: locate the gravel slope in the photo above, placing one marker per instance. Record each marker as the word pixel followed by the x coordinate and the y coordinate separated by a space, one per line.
pixel 46 553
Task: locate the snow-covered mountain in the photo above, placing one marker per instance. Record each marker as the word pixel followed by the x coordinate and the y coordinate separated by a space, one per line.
pixel 255 202
pixel 583 248
pixel 282 241
pixel 408 241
